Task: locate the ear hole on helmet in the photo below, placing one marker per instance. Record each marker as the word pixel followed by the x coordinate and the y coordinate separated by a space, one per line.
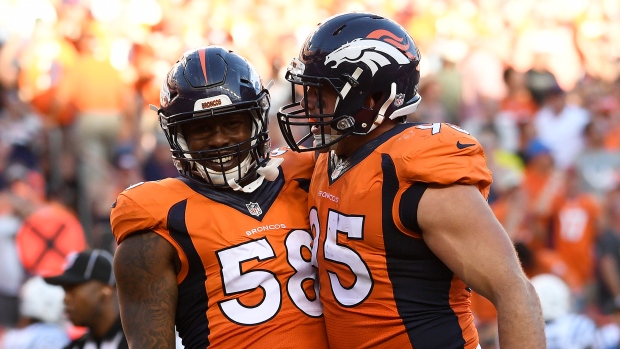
pixel 372 100
pixel 376 97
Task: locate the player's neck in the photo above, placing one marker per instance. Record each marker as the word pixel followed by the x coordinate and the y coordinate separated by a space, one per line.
pixel 350 144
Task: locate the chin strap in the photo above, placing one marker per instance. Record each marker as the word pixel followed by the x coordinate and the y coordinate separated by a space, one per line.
pixel 381 114
pixel 269 172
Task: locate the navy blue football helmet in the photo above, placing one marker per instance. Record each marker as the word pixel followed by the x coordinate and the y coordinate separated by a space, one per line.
pixel 208 82
pixel 357 56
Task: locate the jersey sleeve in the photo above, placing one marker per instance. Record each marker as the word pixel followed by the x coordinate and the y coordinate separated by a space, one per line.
pixel 128 217
pixel 433 154
pixel 444 155
pixel 139 208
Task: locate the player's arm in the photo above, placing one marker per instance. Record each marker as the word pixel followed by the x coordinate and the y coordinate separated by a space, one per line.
pixel 460 228
pixel 144 266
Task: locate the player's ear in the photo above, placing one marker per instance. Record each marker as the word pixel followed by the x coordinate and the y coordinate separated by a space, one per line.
pixel 107 291
pixel 371 100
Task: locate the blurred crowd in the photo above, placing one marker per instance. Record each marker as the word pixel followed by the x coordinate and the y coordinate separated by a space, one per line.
pixel 536 81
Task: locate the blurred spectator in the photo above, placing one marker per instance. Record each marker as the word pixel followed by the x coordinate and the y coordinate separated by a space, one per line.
pixel 22 189
pixel 125 172
pixel 20 129
pixel 575 228
pixel 91 300
pixel 432 110
pixel 518 102
pixel 565 329
pixel 542 183
pixel 608 247
pixel 11 272
pixel 158 164
pixel 506 166
pixel 104 116
pixel 516 109
pixel 539 78
pixel 482 90
pixel 610 108
pixel 607 336
pixel 560 126
pixel 598 167
pixel 41 311
pixel 43 64
pixel 450 84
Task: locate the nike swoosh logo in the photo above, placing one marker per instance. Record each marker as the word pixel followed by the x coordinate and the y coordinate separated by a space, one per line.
pixel 463 146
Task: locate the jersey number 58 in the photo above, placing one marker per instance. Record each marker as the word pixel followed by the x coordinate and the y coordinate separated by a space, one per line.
pixel 237 281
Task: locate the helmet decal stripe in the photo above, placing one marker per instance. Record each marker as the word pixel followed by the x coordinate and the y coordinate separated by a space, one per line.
pixel 391 39
pixel 203 64
pixel 345 90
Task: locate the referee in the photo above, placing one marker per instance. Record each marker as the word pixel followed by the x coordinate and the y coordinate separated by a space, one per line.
pixel 91 300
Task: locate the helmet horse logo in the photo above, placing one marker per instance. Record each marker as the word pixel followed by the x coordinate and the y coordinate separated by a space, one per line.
pixel 370 51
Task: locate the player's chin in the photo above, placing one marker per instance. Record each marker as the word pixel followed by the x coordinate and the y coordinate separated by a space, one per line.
pixel 320 141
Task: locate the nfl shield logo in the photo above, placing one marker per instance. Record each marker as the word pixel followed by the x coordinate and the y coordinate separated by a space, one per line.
pixel 254 209
pixel 399 100
pixel 336 173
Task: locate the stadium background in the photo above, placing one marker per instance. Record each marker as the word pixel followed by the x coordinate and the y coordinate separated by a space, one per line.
pixel 77 76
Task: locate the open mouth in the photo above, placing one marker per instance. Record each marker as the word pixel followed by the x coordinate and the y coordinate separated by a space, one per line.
pixel 222 161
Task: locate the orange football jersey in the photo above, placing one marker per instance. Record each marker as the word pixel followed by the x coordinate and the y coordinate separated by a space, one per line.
pixel 381 286
pixel 246 278
pixel 574 234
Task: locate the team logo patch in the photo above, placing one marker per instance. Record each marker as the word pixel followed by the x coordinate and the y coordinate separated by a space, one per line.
pixel 399 99
pixel 339 169
pixel 254 209
pixel 373 51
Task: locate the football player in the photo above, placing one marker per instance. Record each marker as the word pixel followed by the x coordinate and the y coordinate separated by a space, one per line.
pixel 223 251
pixel 403 229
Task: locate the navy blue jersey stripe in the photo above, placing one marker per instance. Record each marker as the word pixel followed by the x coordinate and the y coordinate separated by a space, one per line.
pixel 420 281
pixel 408 207
pixel 304 184
pixel 265 195
pixel 191 318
